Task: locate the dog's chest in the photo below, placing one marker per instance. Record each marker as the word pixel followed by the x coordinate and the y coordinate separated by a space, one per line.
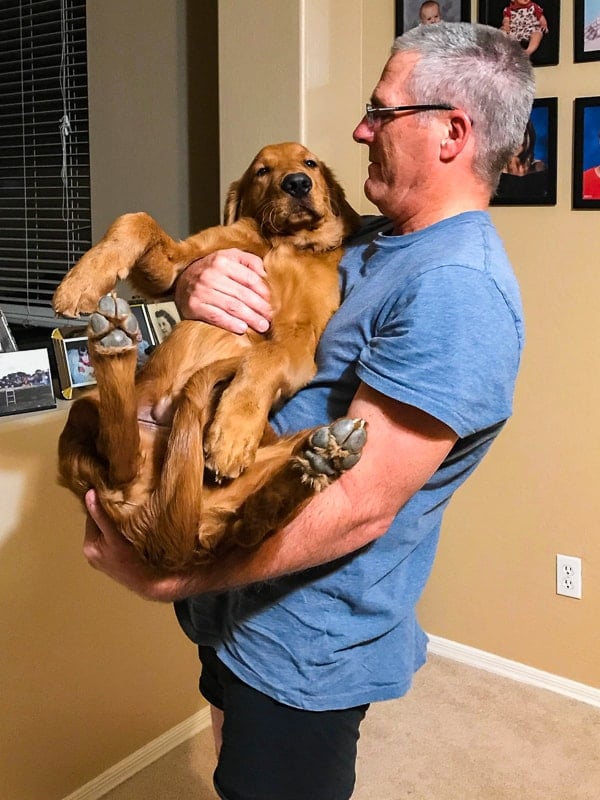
pixel 303 279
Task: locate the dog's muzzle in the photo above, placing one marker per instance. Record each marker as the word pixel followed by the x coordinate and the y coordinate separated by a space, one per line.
pixel 297 184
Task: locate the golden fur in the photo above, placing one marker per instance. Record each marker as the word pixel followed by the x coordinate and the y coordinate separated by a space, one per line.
pixel 203 399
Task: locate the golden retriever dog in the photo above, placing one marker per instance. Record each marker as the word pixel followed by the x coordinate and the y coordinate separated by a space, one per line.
pixel 181 452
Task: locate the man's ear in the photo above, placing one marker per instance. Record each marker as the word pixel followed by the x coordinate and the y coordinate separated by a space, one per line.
pixel 456 135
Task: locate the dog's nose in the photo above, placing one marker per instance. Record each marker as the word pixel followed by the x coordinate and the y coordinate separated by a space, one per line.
pixel 297 184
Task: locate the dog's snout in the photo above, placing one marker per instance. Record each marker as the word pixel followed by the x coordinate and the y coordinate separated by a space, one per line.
pixel 296 184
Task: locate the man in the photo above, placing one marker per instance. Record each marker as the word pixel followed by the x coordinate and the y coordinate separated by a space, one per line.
pixel 298 636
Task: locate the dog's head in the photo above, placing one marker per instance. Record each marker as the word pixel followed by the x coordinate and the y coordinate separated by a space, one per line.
pixel 290 192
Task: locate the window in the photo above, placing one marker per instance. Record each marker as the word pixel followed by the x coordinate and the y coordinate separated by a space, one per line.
pixel 45 220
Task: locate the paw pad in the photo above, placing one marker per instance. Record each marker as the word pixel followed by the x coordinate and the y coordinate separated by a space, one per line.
pixel 333 449
pixel 113 325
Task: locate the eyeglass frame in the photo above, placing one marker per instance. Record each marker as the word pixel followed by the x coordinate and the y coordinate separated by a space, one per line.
pixel 372 112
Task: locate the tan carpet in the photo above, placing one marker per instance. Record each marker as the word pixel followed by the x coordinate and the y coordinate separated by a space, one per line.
pixel 460 734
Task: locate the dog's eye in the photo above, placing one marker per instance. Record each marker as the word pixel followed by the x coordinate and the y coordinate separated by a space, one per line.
pixel 311 163
pixel 262 171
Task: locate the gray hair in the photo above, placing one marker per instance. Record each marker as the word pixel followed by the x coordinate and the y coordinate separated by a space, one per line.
pixel 480 70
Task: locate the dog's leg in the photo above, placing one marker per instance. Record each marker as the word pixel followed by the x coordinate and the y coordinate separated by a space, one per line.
pixel 136 247
pixel 112 339
pixel 271 371
pixel 291 472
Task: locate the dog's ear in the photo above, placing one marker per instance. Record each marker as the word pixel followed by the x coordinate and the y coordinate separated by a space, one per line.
pixel 232 204
pixel 339 205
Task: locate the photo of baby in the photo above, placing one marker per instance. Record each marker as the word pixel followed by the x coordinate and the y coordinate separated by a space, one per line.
pixel 536 26
pixel 411 13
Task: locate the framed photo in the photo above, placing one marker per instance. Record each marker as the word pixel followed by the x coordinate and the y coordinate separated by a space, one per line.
pixel 530 177
pixel 586 30
pixel 75 370
pixel 163 318
pixel 148 340
pixel 586 153
pixel 527 26
pixel 25 382
pixel 7 342
pixel 410 13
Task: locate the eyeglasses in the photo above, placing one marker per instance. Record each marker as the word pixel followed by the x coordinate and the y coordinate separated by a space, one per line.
pixel 373 113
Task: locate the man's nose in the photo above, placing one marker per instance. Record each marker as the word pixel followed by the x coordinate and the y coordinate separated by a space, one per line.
pixel 363 134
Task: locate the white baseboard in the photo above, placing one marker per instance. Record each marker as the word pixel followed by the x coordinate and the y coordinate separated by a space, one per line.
pixel 512 669
pixel 143 757
pixel 479 659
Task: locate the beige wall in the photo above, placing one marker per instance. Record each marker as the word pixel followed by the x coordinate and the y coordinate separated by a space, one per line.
pixel 153 104
pixel 90 673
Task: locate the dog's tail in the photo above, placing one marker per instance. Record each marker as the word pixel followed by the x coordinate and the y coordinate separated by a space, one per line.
pixel 180 491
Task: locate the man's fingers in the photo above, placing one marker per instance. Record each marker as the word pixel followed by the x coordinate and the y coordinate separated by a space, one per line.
pixel 226 289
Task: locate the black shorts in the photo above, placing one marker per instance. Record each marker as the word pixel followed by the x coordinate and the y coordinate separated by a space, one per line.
pixel 275 752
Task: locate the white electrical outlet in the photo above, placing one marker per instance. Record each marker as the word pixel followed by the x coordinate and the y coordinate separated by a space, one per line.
pixel 568 576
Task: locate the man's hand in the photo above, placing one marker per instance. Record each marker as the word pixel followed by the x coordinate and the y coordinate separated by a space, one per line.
pixel 227 289
pixel 108 551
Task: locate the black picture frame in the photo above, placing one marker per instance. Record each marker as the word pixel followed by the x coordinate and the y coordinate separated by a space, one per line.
pixel 586 31
pixel 534 183
pixel 586 153
pixel 490 12
pixel 407 12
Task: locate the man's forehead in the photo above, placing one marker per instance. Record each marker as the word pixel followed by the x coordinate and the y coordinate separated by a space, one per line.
pixel 391 85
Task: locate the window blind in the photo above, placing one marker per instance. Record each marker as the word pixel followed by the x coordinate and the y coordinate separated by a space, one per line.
pixel 45 222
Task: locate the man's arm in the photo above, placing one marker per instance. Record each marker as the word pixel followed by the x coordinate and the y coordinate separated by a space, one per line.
pixel 405 447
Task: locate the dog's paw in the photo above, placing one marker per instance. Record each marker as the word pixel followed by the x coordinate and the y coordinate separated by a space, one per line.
pixel 331 450
pixel 231 448
pixel 113 328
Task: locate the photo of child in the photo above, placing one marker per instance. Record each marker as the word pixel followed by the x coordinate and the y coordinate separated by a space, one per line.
pixel 535 25
pixel 529 178
pixel 411 13
pixel 430 13
pixel 524 21
pixel 591 154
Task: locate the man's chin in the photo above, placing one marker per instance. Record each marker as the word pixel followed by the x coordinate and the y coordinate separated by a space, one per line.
pixel 371 190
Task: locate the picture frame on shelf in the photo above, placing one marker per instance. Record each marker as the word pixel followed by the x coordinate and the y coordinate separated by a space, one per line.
pixel 7 341
pixel 530 177
pixel 163 318
pixel 407 13
pixel 546 54
pixel 586 30
pixel 586 153
pixel 25 382
pixel 73 362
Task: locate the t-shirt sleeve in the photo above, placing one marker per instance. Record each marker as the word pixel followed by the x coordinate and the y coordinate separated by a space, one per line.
pixel 449 344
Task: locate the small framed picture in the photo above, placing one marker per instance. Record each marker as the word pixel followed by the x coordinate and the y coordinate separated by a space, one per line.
pixel 73 361
pixel 529 178
pixel 586 30
pixel 148 340
pixel 535 25
pixel 163 317
pixel 586 153
pixel 25 382
pixel 7 342
pixel 410 13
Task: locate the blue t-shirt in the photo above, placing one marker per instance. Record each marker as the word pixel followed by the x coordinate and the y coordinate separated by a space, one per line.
pixel 432 319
